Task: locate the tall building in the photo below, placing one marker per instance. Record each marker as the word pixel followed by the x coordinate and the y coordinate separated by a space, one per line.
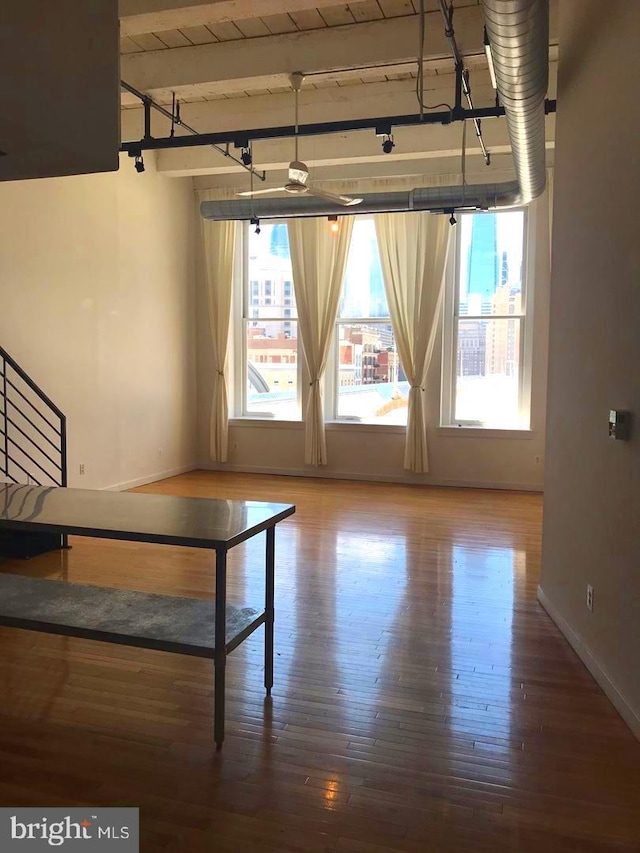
pixel 482 269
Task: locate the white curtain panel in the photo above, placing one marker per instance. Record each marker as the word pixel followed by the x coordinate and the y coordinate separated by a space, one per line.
pixel 318 258
pixel 219 242
pixel 413 253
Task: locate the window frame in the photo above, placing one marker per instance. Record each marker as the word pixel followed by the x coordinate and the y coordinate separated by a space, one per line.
pixel 450 323
pixel 240 328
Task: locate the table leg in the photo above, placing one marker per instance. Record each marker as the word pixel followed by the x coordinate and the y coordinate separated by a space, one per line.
pixel 220 659
pixel 269 611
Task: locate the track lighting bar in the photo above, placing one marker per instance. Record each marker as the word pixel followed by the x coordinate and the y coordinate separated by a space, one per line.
pixel 241 138
pixel 134 149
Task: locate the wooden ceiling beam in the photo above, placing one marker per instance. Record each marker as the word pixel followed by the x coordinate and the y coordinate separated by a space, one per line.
pixel 150 16
pixel 262 63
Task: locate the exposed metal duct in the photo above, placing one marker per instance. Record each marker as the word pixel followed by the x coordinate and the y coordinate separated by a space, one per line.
pixel 518 31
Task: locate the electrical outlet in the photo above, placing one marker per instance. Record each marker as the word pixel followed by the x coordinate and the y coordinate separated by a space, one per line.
pixel 537 460
pixel 589 597
pixel 82 467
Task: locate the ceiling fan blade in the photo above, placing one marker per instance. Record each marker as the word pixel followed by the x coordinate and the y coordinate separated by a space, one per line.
pixel 262 192
pixel 344 200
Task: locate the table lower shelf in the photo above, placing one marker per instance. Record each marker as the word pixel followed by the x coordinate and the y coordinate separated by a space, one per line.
pixel 126 617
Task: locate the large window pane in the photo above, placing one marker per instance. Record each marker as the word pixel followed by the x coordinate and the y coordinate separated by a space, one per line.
pixel 371 383
pixel 270 326
pixel 490 263
pixel 272 369
pixel 270 274
pixel 488 372
pixel 363 289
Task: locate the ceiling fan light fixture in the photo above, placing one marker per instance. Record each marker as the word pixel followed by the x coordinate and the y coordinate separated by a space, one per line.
pixel 298 172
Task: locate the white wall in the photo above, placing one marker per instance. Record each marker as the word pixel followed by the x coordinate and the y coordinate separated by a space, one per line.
pixel 97 305
pixel 456 456
pixel 592 485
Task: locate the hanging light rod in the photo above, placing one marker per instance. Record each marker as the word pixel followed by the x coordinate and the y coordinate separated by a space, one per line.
pixel 134 149
pixel 462 74
pixel 241 138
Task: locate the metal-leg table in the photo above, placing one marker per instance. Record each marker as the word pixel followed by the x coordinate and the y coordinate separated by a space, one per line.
pixel 169 623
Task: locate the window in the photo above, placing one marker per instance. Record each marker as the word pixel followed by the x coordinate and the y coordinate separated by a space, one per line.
pixel 368 381
pixel 486 363
pixel 268 345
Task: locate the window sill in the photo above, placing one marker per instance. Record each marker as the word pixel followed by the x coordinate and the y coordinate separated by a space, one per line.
pixel 363 426
pixel 331 426
pixel 267 423
pixel 485 432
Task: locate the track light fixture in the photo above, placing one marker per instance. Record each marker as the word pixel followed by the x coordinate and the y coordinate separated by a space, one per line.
pixel 139 163
pixel 452 219
pixel 255 221
pixel 388 144
pixel 246 157
pixel 334 225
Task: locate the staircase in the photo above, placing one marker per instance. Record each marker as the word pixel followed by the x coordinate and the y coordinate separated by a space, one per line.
pixel 33 451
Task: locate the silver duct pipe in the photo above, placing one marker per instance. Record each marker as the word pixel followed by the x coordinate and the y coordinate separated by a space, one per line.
pixel 518 31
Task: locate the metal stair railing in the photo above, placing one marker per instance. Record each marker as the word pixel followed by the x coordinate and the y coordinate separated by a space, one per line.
pixel 33 430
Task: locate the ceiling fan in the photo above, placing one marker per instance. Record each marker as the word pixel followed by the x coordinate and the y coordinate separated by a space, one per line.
pixel 299 172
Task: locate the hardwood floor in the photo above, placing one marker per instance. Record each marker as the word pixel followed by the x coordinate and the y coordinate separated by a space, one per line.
pixel 423 700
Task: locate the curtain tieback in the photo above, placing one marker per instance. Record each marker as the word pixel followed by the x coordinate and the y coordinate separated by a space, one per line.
pixel 314 382
pixel 220 372
pixel 417 388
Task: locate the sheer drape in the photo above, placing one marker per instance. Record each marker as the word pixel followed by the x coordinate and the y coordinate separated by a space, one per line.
pixel 219 242
pixel 318 258
pixel 413 253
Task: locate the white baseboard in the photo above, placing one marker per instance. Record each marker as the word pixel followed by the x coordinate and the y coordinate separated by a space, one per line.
pixel 150 478
pixel 618 700
pixel 323 474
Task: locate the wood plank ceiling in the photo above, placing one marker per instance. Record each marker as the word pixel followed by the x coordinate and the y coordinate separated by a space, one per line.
pixel 310 19
pixel 362 11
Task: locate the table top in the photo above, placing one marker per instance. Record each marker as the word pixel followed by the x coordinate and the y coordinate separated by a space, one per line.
pixel 164 519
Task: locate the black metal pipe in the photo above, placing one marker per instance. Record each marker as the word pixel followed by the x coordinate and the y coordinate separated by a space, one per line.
pixel 35 408
pixel 37 464
pixel 6 428
pixel 459 73
pixel 317 129
pixel 35 426
pixel 63 461
pixel 24 471
pixel 463 73
pixel 28 437
pixel 29 381
pixel 146 103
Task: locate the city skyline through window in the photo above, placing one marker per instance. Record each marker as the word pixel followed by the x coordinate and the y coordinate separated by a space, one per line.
pixel 270 327
pixel 489 314
pixel 371 385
